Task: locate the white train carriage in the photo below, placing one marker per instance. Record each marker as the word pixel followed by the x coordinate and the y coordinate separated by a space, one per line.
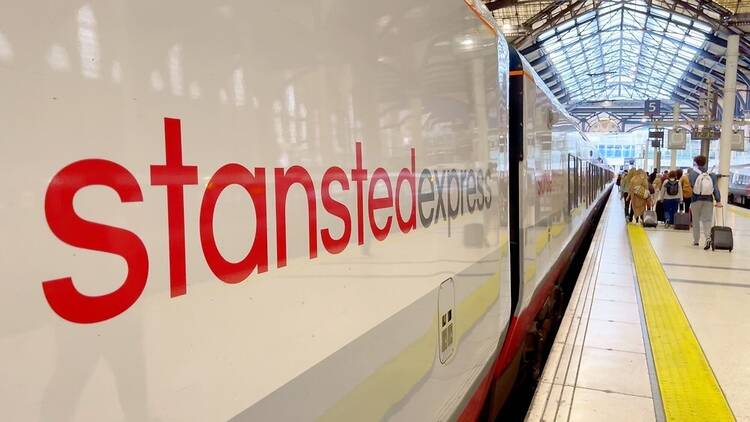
pixel 275 211
pixel 739 184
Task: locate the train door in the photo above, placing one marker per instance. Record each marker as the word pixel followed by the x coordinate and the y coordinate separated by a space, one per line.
pixel 540 194
pixel 516 175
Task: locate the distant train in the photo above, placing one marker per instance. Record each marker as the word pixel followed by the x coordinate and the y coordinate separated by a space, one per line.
pixel 739 185
pixel 278 210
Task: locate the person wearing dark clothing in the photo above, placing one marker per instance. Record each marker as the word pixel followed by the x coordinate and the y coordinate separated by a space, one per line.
pixel 671 195
pixel 625 188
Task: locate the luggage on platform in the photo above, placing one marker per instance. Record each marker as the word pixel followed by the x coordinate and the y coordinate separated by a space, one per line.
pixel 681 218
pixel 660 211
pixel 721 236
pixel 649 218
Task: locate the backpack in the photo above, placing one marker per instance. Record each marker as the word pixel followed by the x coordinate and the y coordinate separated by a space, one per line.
pixel 687 190
pixel 673 188
pixel 704 185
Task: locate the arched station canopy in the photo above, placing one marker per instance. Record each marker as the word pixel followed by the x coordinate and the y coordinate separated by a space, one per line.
pixel 617 53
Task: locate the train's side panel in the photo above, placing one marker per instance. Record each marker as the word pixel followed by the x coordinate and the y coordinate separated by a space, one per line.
pixel 557 187
pixel 264 210
pixel 739 185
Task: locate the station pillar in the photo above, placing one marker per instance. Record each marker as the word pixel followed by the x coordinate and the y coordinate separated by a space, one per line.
pixel 727 115
pixel 672 151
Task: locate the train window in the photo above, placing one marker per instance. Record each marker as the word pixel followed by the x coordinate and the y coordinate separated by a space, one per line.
pixel 584 187
pixel 571 182
pixel 585 181
pixel 579 183
pixel 597 180
pixel 588 184
pixel 591 181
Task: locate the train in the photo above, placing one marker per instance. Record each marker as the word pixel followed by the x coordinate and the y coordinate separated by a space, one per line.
pixel 295 210
pixel 739 185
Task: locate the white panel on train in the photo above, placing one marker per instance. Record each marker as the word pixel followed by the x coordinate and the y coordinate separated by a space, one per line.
pixel 247 209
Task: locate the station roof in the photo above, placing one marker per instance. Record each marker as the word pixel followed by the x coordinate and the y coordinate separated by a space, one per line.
pixel 594 51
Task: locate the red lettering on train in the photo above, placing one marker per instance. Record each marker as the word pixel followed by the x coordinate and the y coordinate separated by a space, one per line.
pixel 375 203
pixel 174 176
pixel 408 177
pixel 61 294
pixel 383 198
pixel 257 257
pixel 283 181
pixel 335 208
pixel 359 175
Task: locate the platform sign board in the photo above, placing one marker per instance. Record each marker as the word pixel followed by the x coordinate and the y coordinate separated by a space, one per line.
pixel 706 133
pixel 656 138
pixel 652 108
pixel 677 138
pixel 738 140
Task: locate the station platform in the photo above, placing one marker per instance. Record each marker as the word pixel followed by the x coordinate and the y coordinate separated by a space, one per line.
pixel 656 329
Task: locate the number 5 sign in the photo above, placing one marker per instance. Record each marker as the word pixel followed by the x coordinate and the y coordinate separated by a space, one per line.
pixel 652 108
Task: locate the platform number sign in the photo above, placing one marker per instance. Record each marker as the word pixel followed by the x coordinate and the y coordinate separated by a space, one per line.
pixel 652 108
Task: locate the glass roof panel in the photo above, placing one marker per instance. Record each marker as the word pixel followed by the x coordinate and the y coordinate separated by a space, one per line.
pixel 623 50
pixel 681 19
pixel 695 40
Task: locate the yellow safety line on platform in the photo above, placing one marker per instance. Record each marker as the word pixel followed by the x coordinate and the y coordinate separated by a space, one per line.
pixel 689 390
pixel 739 211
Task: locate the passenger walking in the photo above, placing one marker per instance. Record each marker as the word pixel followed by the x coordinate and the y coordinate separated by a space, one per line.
pixel 656 198
pixel 671 196
pixel 658 182
pixel 705 192
pixel 639 194
pixel 625 187
pixel 687 189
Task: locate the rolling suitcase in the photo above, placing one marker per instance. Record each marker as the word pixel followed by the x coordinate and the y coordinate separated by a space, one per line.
pixel 681 218
pixel 649 218
pixel 721 236
pixel 660 211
